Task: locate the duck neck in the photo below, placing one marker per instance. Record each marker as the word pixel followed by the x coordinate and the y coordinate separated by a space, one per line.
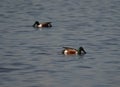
pixel 79 51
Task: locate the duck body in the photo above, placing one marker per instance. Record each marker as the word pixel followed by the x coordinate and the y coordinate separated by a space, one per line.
pixel 72 51
pixel 40 25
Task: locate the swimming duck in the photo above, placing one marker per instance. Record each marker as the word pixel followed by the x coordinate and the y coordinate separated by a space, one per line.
pixel 40 25
pixel 72 51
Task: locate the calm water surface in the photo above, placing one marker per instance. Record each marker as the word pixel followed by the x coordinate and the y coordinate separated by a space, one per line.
pixel 32 58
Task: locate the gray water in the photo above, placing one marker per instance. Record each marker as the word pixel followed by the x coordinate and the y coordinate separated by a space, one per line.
pixel 32 57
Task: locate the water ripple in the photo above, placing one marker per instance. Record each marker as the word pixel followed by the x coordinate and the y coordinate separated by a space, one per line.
pixel 7 70
pixel 32 58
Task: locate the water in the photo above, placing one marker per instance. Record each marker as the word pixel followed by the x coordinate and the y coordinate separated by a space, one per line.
pixel 32 58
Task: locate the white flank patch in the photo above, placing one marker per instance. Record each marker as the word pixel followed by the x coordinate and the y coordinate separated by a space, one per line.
pixel 65 52
pixel 40 25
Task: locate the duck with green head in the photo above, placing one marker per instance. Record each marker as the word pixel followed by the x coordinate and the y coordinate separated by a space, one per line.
pixel 40 25
pixel 72 51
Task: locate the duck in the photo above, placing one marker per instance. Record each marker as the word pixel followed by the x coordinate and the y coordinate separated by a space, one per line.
pixel 40 25
pixel 73 51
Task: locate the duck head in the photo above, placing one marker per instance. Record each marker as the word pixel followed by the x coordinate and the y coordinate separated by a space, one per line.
pixel 36 24
pixel 81 51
